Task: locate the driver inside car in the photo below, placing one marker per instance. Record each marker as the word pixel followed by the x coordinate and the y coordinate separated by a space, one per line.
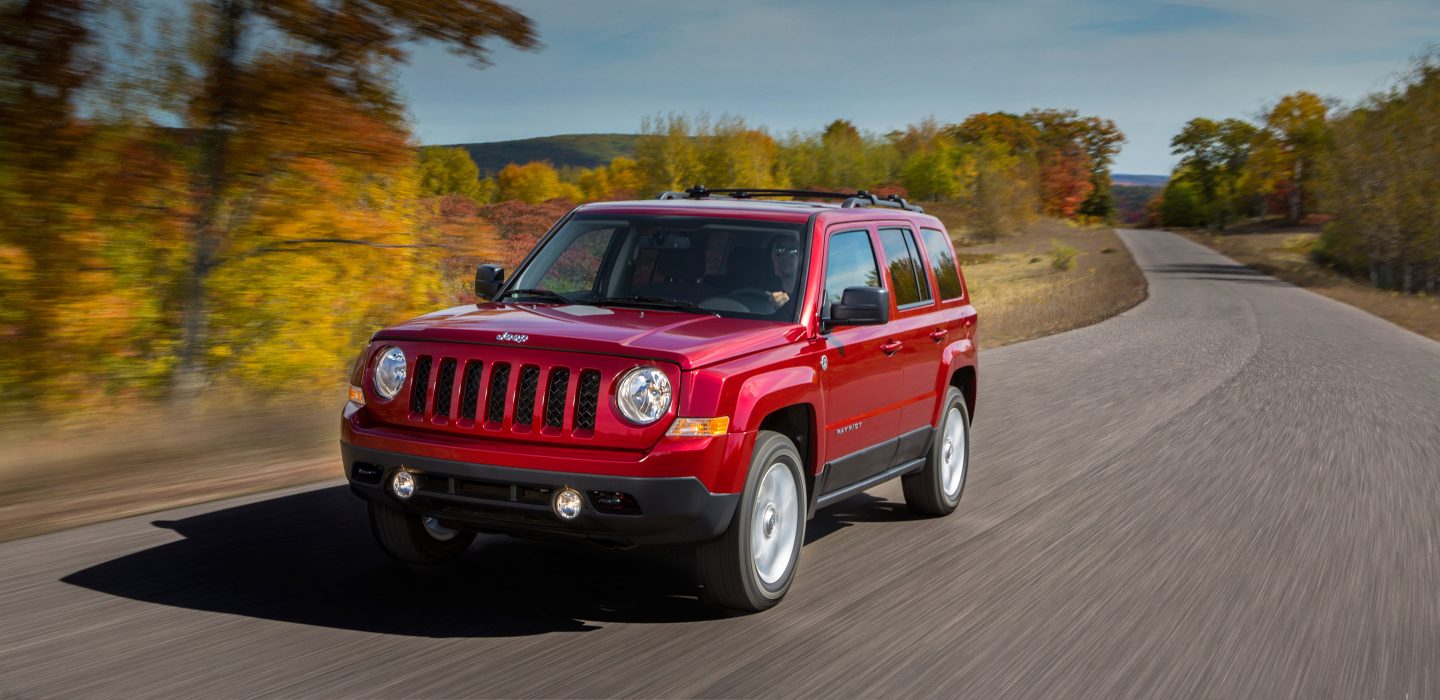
pixel 785 263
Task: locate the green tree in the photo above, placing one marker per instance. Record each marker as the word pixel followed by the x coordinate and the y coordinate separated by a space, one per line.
pixel 1213 155
pixel 1180 204
pixel 930 175
pixel 450 171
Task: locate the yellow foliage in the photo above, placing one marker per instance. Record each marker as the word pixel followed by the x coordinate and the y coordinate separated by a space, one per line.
pixel 287 313
pixel 533 183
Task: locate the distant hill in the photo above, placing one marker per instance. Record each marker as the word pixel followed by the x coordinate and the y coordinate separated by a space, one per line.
pixel 577 150
pixel 1130 201
pixel 590 150
pixel 1139 180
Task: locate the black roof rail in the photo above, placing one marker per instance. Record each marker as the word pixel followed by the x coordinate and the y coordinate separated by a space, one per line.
pixel 857 199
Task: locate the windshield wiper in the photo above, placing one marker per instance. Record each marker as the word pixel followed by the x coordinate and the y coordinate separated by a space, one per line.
pixel 659 302
pixel 545 294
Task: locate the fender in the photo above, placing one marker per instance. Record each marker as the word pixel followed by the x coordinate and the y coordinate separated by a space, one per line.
pixel 761 394
pixel 957 354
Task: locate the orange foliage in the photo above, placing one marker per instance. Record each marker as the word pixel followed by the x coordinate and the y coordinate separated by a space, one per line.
pixel 1065 182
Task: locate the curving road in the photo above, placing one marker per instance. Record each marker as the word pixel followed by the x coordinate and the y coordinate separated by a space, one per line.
pixel 1232 490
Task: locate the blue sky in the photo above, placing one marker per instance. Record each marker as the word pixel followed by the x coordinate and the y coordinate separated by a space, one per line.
pixel 1150 66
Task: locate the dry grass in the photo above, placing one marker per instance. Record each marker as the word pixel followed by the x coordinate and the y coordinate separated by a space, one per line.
pixel 139 462
pixel 1021 293
pixel 66 476
pixel 1285 255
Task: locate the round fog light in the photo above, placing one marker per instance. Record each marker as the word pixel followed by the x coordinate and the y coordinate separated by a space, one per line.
pixel 403 484
pixel 568 503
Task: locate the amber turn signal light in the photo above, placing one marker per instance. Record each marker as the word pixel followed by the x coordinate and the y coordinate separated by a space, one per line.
pixel 699 427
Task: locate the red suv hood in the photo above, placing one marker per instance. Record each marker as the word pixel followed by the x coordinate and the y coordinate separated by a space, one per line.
pixel 689 340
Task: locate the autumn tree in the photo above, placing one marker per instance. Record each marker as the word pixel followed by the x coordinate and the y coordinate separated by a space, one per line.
pixel 1065 180
pixel 44 62
pixel 532 183
pixel 1287 148
pixel 445 171
pixel 1018 135
pixel 263 112
pixel 1072 148
pixel 1378 177
pixel 1002 194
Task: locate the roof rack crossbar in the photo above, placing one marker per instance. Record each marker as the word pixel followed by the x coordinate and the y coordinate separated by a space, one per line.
pixel 856 199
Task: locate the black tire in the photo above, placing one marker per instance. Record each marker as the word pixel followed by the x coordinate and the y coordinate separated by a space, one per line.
pixel 925 491
pixel 727 565
pixel 404 536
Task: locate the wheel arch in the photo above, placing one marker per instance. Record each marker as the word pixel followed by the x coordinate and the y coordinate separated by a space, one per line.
pixel 964 379
pixel 797 422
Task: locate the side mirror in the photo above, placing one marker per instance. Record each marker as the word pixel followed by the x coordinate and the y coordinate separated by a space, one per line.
pixel 488 280
pixel 861 306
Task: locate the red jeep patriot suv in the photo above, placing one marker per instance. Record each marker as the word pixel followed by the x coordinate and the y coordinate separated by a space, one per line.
pixel 709 367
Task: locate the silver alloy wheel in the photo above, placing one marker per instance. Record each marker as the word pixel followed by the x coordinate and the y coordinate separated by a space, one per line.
pixel 775 526
pixel 436 530
pixel 952 454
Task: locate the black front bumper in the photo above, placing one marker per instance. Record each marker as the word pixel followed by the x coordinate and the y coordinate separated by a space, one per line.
pixel 518 501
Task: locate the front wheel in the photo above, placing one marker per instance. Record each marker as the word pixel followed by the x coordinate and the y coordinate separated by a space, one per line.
pixel 415 539
pixel 936 489
pixel 751 566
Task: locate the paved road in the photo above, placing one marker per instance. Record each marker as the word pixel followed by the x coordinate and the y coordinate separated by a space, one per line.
pixel 1232 490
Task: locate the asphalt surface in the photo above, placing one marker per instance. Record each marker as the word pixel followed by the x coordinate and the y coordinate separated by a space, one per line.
pixel 1232 490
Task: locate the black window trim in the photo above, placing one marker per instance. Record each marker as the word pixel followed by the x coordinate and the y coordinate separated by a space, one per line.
pixel 830 234
pixel 914 304
pixel 954 261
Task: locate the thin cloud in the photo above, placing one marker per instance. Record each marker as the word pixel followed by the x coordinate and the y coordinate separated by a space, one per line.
pixel 1166 18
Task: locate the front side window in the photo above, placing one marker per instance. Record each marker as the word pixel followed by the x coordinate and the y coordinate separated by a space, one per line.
pixel 736 268
pixel 906 273
pixel 850 263
pixel 573 267
pixel 942 262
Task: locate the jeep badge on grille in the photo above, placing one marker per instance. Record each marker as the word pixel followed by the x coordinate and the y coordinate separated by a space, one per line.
pixel 512 337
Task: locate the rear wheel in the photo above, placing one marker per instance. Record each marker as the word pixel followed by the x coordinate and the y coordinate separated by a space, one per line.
pixel 751 566
pixel 936 489
pixel 415 539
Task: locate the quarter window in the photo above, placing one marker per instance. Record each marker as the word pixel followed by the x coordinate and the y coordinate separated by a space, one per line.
pixel 911 284
pixel 850 263
pixel 942 262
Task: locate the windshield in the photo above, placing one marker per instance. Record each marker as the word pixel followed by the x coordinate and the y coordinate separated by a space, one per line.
pixel 730 267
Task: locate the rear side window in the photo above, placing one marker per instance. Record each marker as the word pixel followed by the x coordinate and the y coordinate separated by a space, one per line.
pixel 851 263
pixel 911 284
pixel 942 262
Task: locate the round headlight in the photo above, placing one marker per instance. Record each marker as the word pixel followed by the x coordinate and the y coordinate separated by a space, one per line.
pixel 390 373
pixel 643 395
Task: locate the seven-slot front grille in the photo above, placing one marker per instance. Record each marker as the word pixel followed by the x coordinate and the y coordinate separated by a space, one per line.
pixel 555 389
pixel 444 385
pixel 495 399
pixel 486 392
pixel 420 385
pixel 587 400
pixel 525 396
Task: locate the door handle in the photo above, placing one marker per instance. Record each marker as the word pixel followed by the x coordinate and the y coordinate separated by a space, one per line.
pixel 939 334
pixel 891 347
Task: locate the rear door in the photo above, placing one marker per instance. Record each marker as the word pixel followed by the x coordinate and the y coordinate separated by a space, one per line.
pixel 861 380
pixel 912 322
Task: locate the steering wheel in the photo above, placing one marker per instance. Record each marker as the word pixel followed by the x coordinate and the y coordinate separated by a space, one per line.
pixel 764 302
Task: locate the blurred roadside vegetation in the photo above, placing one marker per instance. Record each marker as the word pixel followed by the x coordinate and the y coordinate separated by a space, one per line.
pixel 227 197
pixel 1366 174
